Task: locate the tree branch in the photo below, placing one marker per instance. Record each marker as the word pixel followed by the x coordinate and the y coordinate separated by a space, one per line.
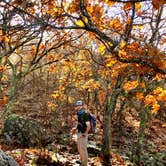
pixel 130 1
pixel 139 61
pixel 155 30
pixel 129 27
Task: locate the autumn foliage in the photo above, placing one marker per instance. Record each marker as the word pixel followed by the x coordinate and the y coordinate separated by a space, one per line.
pixel 93 50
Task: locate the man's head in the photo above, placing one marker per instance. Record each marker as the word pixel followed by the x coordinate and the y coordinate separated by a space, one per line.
pixel 78 105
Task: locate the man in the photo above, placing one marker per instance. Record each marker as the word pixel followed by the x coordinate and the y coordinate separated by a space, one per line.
pixel 83 127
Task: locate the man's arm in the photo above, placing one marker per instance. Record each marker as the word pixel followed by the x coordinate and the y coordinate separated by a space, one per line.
pixel 73 130
pixel 87 129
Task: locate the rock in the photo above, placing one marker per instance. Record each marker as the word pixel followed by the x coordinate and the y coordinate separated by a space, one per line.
pixel 7 160
pixel 93 149
pixel 24 132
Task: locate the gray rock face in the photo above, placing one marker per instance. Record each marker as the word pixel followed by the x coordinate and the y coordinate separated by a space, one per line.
pixel 23 132
pixel 7 160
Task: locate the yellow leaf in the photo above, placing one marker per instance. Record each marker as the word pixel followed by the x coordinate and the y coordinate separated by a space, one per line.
pixel 157 77
pixel 70 99
pixel 115 23
pixel 51 105
pixel 134 27
pixel 5 39
pixel 86 20
pixel 140 27
pixel 138 6
pixel 101 49
pixel 157 91
pixel 110 62
pixel 90 9
pixel 122 53
pixel 79 23
pixel 110 4
pixel 109 44
pixel 162 96
pixel 164 125
pixel 4 78
pixel 2 68
pixel 54 158
pixel 54 96
pixel 122 44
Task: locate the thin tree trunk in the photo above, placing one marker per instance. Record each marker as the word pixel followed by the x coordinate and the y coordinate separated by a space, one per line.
pixel 105 139
pixel 12 93
pixel 141 135
pixel 111 104
pixel 107 128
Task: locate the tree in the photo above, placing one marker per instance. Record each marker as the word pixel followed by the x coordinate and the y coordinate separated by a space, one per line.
pixel 132 31
pixel 26 46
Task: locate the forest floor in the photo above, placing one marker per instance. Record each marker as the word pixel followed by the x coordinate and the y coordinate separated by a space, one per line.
pixel 61 154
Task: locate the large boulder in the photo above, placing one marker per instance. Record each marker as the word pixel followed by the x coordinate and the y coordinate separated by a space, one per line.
pixel 7 160
pixel 23 132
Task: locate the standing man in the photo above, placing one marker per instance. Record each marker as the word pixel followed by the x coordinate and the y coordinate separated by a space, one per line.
pixel 83 127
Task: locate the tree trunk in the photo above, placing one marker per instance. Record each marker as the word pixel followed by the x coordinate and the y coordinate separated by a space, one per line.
pixel 141 135
pixel 15 79
pixel 12 93
pixel 105 139
pixel 107 128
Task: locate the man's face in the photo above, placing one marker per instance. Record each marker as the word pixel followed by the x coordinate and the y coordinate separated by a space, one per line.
pixel 77 108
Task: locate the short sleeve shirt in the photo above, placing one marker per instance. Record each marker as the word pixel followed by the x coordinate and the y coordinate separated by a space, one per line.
pixel 82 119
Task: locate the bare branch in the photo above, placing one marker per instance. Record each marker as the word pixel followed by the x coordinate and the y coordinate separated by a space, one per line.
pixel 129 1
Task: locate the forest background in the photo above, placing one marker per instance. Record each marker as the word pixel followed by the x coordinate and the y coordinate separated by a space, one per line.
pixel 108 53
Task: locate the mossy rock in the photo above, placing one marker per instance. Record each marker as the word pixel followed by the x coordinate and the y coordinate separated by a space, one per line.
pixel 23 132
pixel 7 160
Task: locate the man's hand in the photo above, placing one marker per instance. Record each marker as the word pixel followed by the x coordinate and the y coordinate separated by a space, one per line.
pixel 70 140
pixel 84 134
pixel 73 131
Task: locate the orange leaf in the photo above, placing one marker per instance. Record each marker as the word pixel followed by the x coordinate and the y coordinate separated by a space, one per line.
pixel 4 39
pixel 155 108
pixel 139 96
pixel 138 6
pixel 101 96
pixel 150 100
pixel 127 6
pixel 164 125
pixel 130 85
pixel 3 101
pixel 158 3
